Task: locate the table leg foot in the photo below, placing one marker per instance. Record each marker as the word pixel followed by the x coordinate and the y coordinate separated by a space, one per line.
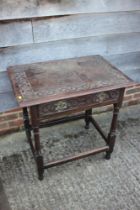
pixel 40 177
pixel 34 111
pixel 40 167
pixel 108 156
pixel 86 126
pixel 112 134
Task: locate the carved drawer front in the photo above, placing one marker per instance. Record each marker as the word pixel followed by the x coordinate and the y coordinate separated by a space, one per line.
pixel 78 102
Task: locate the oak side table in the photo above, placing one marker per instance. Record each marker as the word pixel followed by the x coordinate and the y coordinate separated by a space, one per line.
pixel 67 87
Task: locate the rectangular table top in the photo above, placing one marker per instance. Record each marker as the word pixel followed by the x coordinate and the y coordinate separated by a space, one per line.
pixel 54 80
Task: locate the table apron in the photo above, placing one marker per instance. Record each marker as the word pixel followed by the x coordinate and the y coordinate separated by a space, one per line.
pixel 79 103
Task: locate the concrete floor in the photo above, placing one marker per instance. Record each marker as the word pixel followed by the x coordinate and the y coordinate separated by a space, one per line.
pixel 92 183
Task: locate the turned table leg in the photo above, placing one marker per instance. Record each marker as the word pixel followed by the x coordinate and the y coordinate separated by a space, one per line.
pixel 27 127
pixel 112 134
pixel 88 114
pixel 35 126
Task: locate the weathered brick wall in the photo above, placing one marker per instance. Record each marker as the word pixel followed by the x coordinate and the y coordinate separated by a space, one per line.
pixel 132 96
pixel 13 121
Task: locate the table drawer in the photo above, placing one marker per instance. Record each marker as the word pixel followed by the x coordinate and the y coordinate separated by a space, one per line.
pixel 79 102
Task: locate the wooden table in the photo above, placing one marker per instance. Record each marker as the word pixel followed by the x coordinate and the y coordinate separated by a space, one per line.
pixel 63 88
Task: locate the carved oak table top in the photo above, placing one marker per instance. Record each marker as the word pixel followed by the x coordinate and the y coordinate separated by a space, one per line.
pixel 67 87
pixel 48 81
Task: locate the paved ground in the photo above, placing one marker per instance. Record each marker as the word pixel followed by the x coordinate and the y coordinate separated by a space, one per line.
pixel 89 184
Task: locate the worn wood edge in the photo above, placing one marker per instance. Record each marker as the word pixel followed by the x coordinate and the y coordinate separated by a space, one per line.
pixel 72 95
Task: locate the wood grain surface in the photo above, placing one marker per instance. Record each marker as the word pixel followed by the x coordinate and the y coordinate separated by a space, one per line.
pixel 51 81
